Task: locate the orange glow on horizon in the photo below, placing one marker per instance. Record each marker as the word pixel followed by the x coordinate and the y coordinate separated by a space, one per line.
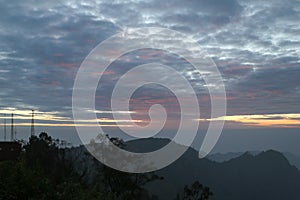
pixel 263 120
pixel 52 119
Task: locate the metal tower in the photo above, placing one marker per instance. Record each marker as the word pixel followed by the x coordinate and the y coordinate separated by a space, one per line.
pixel 15 133
pixel 32 123
pixel 12 127
pixel 4 127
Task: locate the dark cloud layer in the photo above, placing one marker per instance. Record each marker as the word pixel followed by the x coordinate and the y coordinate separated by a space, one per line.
pixel 255 44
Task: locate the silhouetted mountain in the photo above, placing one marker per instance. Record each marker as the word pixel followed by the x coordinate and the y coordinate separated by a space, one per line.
pixel 293 159
pixel 222 157
pixel 267 175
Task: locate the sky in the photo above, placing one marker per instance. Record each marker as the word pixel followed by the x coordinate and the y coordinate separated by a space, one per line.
pixel 254 44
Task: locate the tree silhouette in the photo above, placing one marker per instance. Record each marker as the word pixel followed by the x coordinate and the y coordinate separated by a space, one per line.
pixel 121 184
pixel 47 170
pixel 41 172
pixel 197 192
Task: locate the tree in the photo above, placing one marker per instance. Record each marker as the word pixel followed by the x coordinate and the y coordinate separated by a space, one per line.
pixel 46 170
pixel 197 192
pixel 123 185
pixel 41 172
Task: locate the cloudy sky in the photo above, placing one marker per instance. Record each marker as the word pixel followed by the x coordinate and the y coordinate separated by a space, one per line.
pixel 254 44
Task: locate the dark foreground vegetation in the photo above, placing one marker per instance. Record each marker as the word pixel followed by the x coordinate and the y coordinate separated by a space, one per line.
pixel 45 170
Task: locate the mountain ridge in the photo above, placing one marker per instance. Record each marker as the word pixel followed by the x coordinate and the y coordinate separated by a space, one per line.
pixel 267 175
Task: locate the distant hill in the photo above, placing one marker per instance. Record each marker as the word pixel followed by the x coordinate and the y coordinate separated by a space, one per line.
pixel 293 159
pixel 222 157
pixel 267 175
pixel 264 175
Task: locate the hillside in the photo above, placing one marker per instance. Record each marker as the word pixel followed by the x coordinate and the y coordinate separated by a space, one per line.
pixel 267 175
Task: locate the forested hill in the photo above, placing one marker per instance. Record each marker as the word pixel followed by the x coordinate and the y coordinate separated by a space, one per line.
pixel 45 170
